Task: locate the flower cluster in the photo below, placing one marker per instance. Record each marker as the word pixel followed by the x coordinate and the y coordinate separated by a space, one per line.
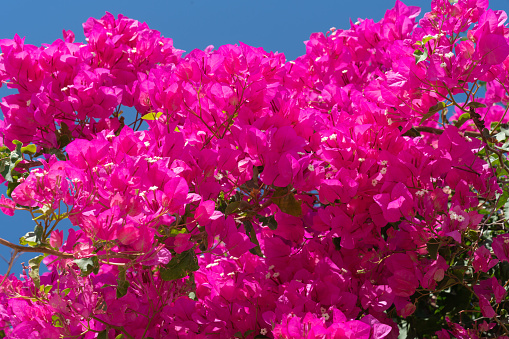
pixel 331 196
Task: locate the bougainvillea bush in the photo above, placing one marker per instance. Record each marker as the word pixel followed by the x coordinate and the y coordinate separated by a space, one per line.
pixel 359 191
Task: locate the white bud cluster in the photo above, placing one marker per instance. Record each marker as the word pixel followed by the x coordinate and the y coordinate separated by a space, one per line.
pixel 454 216
pixel 421 193
pixel 153 159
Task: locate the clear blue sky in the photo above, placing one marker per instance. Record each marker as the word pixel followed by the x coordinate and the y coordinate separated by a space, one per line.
pixel 275 25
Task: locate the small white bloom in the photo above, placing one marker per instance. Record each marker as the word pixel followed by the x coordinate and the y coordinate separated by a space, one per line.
pixel 153 188
pixel 333 136
pixel 325 316
pixel 218 176
pixel 389 121
pixel 421 192
pixel 460 218
pixel 344 71
pixel 374 182
pixel 212 265
pixel 324 139
pixel 323 310
pixel 362 159
pixel 332 29
pixel 328 175
pixel 271 267
pixel 453 215
pixel 443 65
pixel 263 331
pixel 383 162
pixel 383 170
pixel 151 160
pixel 267 276
pixel 449 55
pixel 109 137
pixel 109 33
pixel 467 138
pixel 147 143
pixel 76 180
pixel 231 274
pixel 311 167
pixel 161 43
pixel 39 175
pixel 275 275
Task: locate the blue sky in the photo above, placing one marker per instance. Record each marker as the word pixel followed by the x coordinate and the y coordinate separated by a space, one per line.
pixel 275 25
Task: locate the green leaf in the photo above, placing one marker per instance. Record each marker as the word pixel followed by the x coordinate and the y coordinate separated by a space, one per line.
pixel 420 55
pixel 286 202
pixel 10 164
pixel 66 291
pixel 251 233
pixel 122 283
pixel 103 335
pixel 176 231
pixel 180 266
pixel 503 199
pixel 232 207
pixel 433 245
pixel 463 118
pixel 64 136
pixel 425 40
pixel 475 104
pixel 11 187
pixel 32 149
pixel 432 110
pixel 437 108
pixel 152 116
pixel 32 239
pixel 506 210
pixel 120 336
pixel 268 221
pixel 34 265
pixel 87 265
pixel 56 321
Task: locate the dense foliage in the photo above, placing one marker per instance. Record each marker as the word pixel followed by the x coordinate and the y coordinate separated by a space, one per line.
pixel 332 196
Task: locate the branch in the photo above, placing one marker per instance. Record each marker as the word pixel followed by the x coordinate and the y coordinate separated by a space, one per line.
pixel 11 263
pixel 414 131
pixel 30 164
pixel 45 250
